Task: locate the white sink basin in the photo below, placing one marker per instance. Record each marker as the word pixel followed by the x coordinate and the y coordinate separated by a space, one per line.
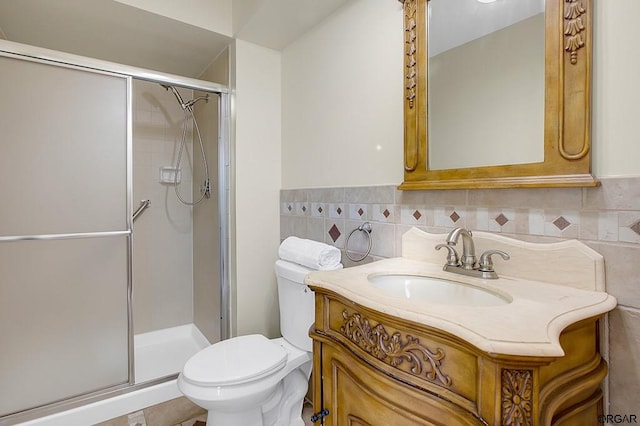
pixel 436 290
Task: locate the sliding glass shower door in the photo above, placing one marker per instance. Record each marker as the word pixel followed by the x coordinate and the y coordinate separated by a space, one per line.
pixel 65 232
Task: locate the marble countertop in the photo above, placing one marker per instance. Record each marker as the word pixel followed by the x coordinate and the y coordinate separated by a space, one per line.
pixel 530 325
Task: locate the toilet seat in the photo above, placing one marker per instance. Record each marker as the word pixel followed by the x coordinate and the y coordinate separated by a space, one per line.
pixel 235 361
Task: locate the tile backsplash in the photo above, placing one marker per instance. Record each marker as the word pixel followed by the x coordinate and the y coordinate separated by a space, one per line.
pixel 609 213
pixel 607 218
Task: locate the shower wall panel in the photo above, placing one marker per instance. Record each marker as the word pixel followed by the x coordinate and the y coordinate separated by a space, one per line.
pixel 64 233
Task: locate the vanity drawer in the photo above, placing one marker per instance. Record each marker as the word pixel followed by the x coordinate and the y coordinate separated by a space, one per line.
pixel 421 357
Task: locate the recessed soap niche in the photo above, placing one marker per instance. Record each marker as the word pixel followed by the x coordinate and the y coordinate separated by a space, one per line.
pixel 170 175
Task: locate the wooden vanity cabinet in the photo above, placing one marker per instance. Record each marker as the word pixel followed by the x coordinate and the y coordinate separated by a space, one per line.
pixel 375 369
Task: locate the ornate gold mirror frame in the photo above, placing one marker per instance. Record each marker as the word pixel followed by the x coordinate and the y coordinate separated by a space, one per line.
pixel 567 115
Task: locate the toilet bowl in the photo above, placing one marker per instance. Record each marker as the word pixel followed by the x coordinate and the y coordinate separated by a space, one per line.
pixel 235 380
pixel 254 381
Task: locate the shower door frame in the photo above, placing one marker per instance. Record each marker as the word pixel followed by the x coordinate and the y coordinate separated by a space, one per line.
pixel 46 56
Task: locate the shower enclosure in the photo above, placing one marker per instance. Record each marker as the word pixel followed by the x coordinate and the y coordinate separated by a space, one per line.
pixel 92 303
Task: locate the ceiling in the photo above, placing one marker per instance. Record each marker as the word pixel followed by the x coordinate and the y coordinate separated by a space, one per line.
pixel 277 23
pixel 116 32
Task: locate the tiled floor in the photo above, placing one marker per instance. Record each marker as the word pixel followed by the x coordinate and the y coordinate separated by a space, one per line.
pixel 177 412
pixel 307 412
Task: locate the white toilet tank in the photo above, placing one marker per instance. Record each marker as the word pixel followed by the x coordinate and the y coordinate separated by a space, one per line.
pixel 297 304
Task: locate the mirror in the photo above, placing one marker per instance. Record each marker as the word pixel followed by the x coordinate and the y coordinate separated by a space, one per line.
pixel 497 95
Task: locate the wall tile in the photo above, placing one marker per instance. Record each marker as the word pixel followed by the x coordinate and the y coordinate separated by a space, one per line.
pixel 326 195
pixel 624 361
pixel 448 216
pixel 415 215
pixel 449 197
pixel 613 194
pixel 302 208
pixel 336 211
pixel 318 210
pixel 608 226
pixel 383 240
pixel 287 208
pixel 502 220
pixel 564 224
pixel 385 213
pixel 293 195
pixel 477 219
pixel 334 232
pixel 410 197
pixel 589 225
pixel 315 230
pixel 293 225
pixel 522 221
pixel 622 271
pixel 536 222
pixel 357 212
pixel 629 227
pixel 370 194
pixel 538 198
pixel 537 215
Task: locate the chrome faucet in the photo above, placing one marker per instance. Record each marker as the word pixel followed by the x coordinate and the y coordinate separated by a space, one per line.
pixel 468 259
pixel 466 264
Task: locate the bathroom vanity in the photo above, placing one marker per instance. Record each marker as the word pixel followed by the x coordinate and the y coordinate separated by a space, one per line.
pixel 528 352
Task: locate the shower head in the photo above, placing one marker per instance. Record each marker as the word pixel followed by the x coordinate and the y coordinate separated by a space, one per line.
pixel 176 94
pixel 192 102
pixel 184 105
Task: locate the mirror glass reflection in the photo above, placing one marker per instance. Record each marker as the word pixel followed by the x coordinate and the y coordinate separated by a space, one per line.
pixel 486 83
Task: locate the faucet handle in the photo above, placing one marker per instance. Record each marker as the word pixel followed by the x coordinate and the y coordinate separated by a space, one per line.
pixel 486 264
pixel 452 256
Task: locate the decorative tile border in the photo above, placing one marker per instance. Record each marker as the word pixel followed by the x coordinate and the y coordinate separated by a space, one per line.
pixel 590 214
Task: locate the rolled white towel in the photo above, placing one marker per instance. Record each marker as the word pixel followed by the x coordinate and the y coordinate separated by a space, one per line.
pixel 309 253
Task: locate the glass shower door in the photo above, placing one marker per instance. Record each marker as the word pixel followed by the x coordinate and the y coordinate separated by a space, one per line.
pixel 65 233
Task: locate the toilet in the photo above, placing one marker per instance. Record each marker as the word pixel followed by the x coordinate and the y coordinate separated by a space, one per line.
pixel 254 381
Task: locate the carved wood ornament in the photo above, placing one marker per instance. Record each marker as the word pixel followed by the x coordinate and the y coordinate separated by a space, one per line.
pixel 412 74
pixel 394 349
pixel 410 28
pixel 574 28
pixel 517 397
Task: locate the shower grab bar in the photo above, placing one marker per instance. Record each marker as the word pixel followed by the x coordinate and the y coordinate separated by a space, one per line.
pixel 142 207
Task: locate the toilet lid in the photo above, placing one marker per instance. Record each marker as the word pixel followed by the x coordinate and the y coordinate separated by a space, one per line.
pixel 234 361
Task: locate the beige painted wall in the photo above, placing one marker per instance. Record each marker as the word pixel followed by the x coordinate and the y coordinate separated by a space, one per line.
pixel 342 99
pixel 342 96
pixel 257 171
pixel 615 88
